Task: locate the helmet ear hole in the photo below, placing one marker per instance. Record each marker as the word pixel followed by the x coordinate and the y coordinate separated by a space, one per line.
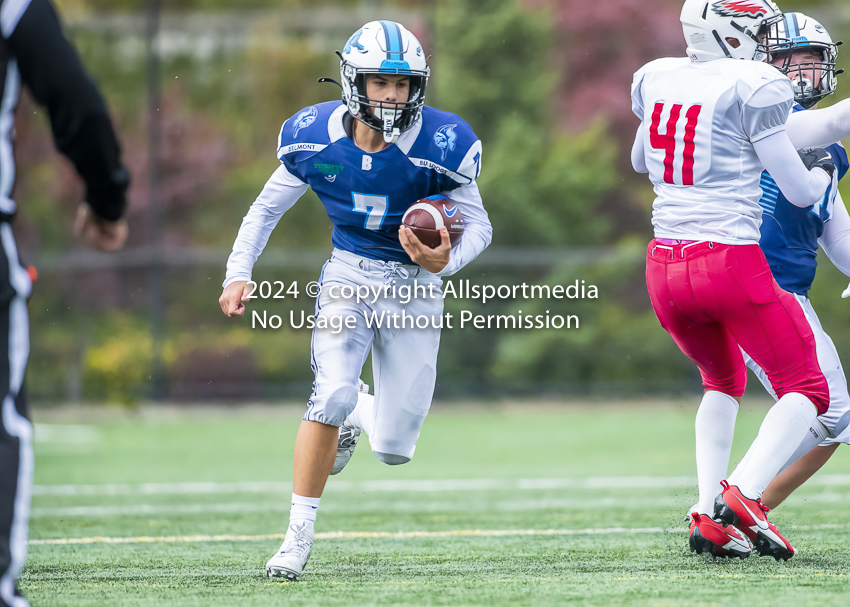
pixel 733 42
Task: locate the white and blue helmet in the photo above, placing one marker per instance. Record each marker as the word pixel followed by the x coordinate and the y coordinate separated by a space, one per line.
pixel 799 32
pixel 383 47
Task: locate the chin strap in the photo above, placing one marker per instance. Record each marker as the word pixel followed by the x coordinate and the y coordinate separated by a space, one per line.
pixel 331 80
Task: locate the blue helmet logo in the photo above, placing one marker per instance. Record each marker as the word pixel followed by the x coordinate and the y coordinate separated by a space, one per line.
pixel 354 41
pixel 446 139
pixel 303 120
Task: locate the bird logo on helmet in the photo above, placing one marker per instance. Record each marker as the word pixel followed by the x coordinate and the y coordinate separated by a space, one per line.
pixel 728 29
pixel 736 8
pixel 383 47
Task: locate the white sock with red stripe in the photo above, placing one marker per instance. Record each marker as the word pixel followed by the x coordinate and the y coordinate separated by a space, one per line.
pixel 714 429
pixel 781 432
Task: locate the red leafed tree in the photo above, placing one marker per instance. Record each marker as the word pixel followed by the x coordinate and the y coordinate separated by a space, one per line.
pixel 600 46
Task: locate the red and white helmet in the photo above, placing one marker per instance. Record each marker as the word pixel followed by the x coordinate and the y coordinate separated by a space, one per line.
pixel 715 29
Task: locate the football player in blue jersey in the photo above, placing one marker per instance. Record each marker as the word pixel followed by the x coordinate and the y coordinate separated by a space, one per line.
pixel 368 158
pixel 790 241
pixel 790 237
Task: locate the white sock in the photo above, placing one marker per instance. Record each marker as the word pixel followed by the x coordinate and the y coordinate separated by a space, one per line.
pixel 815 436
pixel 303 509
pixel 363 416
pixel 714 428
pixel 781 432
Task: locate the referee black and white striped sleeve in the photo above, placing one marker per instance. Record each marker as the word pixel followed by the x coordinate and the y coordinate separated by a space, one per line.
pixel 82 129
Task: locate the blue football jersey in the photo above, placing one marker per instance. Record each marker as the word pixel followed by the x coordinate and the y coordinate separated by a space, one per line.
pixel 789 234
pixel 366 195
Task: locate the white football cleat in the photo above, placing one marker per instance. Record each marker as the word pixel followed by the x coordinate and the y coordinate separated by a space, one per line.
pixel 348 437
pixel 293 554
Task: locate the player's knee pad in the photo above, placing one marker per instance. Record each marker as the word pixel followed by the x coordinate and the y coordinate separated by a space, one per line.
pixel 391 459
pixel 332 406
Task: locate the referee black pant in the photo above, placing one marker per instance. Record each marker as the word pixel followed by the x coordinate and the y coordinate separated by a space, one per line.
pixel 16 459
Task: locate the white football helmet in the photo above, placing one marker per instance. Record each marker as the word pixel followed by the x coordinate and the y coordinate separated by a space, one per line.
pixel 383 47
pixel 797 32
pixel 708 24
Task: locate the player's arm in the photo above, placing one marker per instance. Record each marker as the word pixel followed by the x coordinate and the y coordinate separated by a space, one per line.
pixel 801 186
pixel 281 192
pixel 765 105
pixel 639 147
pixel 820 128
pixel 445 260
pixel 477 232
pixel 836 236
pixel 639 152
pixel 50 68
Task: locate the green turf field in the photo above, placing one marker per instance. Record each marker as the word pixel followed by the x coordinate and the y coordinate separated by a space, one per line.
pixel 512 473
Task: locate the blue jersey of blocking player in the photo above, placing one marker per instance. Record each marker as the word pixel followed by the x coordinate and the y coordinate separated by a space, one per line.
pixel 366 195
pixel 789 234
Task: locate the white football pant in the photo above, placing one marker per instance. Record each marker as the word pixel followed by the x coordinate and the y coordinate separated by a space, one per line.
pixel 404 359
pixel 837 418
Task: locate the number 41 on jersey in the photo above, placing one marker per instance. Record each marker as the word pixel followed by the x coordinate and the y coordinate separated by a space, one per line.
pixel 667 141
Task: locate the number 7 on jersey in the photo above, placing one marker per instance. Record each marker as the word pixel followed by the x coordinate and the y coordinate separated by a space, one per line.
pixel 667 140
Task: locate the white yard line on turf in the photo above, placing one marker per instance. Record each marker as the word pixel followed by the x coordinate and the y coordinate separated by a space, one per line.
pixel 451 485
pixel 349 508
pixel 401 535
pixel 466 504
pixel 350 535
pixel 475 484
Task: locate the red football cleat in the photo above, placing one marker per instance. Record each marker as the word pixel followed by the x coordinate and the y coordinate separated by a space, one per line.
pixel 733 508
pixel 716 539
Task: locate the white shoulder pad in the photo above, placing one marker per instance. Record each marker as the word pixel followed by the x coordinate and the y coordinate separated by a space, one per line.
pixel 765 101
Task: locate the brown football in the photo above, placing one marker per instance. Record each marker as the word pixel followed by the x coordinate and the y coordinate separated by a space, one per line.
pixel 428 215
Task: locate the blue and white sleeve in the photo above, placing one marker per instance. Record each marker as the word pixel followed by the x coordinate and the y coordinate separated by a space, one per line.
pixel 281 192
pixel 477 233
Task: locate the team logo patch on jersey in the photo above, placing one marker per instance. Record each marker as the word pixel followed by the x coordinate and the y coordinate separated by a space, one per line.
pixel 330 171
pixel 354 42
pixel 303 120
pixel 739 8
pixel 446 139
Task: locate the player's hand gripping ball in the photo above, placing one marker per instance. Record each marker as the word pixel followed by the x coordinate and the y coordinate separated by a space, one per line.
pixel 428 215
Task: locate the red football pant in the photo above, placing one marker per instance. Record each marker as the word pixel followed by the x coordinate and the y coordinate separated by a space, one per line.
pixel 713 298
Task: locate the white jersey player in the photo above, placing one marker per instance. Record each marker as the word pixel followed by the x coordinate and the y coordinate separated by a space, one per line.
pixel 368 158
pixel 709 123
